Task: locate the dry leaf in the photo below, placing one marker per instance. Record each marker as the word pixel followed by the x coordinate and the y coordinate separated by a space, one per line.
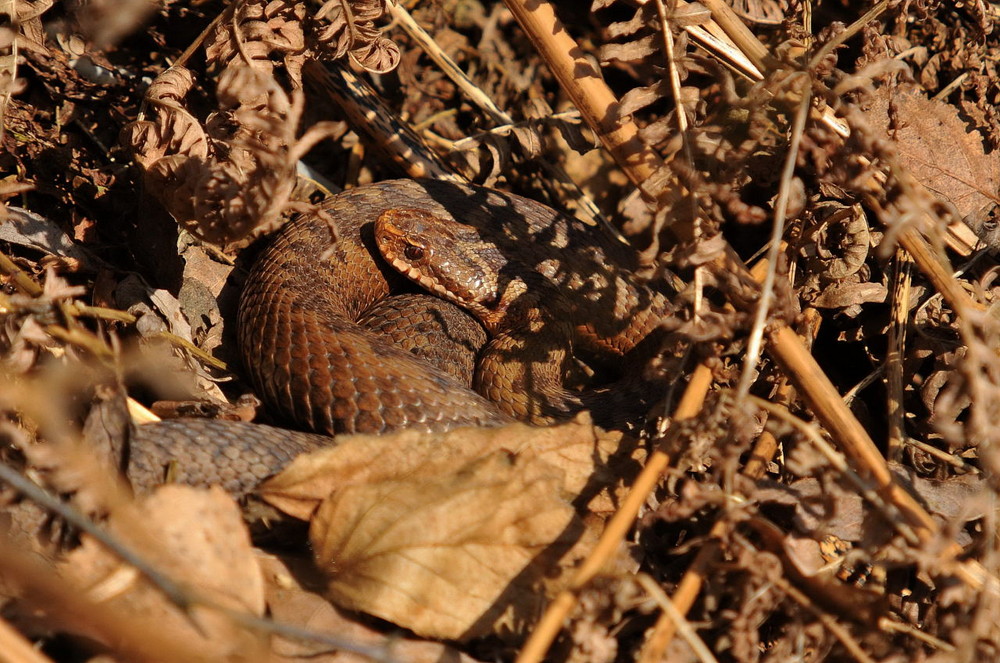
pixel 815 512
pixel 441 533
pixel 451 558
pixel 937 148
pixel 843 240
pixel 849 293
pixel 37 232
pixel 573 447
pixel 290 604
pixel 195 537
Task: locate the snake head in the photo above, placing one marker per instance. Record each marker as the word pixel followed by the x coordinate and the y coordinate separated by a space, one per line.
pixel 448 258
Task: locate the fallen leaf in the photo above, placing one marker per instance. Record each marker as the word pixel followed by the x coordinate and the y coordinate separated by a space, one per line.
pixel 34 231
pixel 577 448
pixel 290 604
pixel 846 293
pixel 449 558
pixel 841 513
pixel 443 533
pixel 198 539
pixel 956 500
pixel 937 148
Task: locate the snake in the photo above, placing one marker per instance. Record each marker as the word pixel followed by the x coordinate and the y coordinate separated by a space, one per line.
pixel 542 286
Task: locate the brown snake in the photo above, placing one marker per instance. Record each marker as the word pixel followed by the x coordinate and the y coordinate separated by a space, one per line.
pixel 541 283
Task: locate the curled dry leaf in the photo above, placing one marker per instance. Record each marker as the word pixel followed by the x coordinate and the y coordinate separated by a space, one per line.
pixel 229 182
pixel 195 537
pixel 641 97
pixel 447 535
pixel 29 22
pixel 633 51
pixel 850 293
pixel 837 249
pixel 842 243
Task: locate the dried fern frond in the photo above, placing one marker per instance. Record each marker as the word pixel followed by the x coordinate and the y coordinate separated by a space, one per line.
pixel 261 34
pixel 230 181
pixel 349 28
pixel 488 153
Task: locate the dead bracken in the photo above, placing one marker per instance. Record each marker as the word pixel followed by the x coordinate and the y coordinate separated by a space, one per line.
pixel 814 184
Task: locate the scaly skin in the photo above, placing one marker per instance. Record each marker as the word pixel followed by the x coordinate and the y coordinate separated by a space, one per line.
pixel 308 358
pixel 313 365
pixel 536 301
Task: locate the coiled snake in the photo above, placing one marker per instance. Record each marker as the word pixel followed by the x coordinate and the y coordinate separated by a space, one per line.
pixel 542 285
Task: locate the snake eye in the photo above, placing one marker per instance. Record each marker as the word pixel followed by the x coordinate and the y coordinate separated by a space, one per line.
pixel 413 253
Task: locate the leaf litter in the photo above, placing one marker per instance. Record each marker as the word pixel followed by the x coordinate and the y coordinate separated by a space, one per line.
pixel 114 137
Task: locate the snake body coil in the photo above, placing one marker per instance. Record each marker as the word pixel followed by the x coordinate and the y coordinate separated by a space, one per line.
pixel 539 282
pixel 300 341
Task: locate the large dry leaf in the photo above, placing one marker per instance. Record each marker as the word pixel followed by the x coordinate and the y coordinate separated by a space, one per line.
pixel 290 604
pixel 447 558
pixel 441 534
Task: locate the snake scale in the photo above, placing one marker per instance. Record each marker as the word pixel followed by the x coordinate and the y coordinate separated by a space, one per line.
pixel 542 284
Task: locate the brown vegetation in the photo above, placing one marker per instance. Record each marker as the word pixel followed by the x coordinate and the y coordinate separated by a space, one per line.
pixel 818 183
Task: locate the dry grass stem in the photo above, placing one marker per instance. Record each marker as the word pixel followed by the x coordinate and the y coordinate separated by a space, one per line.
pixel 614 532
